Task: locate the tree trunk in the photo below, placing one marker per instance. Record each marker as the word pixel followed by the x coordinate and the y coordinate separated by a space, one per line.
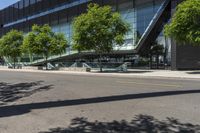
pixel 164 60
pixel 31 57
pixel 150 58
pixel 46 62
pixel 14 59
pixel 100 63
pixel 157 61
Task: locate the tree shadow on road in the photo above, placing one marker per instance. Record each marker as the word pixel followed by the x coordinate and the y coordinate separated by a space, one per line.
pixel 13 92
pixel 7 111
pixel 140 124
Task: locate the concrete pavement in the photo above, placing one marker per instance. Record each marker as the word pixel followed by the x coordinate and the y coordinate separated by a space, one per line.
pixel 193 74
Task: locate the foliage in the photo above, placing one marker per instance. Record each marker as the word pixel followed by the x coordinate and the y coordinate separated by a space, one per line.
pixel 29 43
pixel 185 24
pixel 154 49
pixel 157 49
pixel 99 29
pixel 58 44
pixel 10 44
pixel 43 41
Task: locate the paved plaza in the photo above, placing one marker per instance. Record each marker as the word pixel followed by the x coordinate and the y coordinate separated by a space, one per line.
pixel 57 102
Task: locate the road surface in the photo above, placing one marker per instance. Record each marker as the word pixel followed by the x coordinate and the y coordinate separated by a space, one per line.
pixel 65 103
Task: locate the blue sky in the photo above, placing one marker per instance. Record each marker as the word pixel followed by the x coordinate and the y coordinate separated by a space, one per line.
pixel 5 3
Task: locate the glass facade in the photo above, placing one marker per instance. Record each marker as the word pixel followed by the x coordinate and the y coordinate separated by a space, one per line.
pixel 145 12
pixel 60 13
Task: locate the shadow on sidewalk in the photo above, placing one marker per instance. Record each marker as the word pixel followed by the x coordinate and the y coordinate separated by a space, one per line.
pixel 13 92
pixel 194 72
pixel 129 71
pixel 7 111
pixel 140 124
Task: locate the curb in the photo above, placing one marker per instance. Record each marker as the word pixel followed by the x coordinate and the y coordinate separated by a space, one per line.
pixel 125 75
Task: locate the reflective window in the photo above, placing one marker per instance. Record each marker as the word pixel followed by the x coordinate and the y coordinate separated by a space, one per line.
pixel 137 13
pixel 21 7
pixel 146 9
pixel 127 10
pixel 26 7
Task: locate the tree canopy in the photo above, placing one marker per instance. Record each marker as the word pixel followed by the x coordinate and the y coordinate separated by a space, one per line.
pixel 10 45
pixel 157 49
pixel 99 29
pixel 58 44
pixel 185 24
pixel 43 41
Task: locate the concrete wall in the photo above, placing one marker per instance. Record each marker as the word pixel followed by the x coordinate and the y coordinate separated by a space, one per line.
pixel 185 57
pixel 76 69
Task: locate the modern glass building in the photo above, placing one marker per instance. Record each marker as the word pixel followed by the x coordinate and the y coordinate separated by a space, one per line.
pixel 146 18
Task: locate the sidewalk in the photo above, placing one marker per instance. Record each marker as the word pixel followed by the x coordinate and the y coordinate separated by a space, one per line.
pixel 195 74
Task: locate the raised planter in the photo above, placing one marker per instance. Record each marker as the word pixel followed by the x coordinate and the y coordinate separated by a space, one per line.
pixel 76 69
pixel 30 68
pixel 88 69
pixel 40 68
pixel 3 67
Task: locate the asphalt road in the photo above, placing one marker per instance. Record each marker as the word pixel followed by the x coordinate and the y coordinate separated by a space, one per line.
pixel 64 103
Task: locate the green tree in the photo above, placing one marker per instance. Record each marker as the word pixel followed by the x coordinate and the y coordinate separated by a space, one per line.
pixel 157 50
pixel 185 24
pixel 28 45
pixel 99 30
pixel 58 44
pixel 10 45
pixel 43 41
